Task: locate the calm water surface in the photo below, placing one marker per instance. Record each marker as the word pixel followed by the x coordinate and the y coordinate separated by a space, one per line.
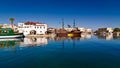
pixel 87 52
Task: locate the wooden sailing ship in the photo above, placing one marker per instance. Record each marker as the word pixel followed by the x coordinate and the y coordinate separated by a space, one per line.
pixel 64 33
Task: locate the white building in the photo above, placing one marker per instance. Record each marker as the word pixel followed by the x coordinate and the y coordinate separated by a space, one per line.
pixel 69 29
pixel 32 28
pixel 104 30
pixel 79 28
pixel 88 30
pixel 110 30
pixel 82 29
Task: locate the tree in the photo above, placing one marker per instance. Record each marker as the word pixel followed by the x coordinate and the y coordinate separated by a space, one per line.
pixel 11 20
pixel 117 30
pixel 1 26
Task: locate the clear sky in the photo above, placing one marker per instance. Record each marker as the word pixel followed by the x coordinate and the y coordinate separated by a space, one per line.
pixel 88 13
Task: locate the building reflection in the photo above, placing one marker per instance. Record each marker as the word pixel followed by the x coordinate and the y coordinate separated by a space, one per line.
pixel 33 41
pixel 11 43
pixel 41 41
pixel 108 36
pixel 86 36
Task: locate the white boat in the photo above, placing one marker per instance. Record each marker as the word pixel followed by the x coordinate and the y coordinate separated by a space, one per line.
pixel 12 36
pixel 10 39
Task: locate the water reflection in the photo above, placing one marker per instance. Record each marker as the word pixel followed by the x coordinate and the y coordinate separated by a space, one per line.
pixel 60 51
pixel 108 36
pixel 24 42
pixel 83 36
pixel 33 41
pixel 63 41
pixel 9 43
pixel 42 41
pixel 86 36
pixel 72 40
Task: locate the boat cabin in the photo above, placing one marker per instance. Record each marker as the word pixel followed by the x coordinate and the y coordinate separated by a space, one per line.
pixel 6 31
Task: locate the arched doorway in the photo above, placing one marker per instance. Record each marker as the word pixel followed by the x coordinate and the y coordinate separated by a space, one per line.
pixel 32 32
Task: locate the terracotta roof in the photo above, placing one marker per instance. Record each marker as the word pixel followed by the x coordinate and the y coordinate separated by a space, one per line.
pixel 32 23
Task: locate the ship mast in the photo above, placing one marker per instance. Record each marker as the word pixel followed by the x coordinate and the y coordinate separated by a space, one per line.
pixel 74 23
pixel 62 23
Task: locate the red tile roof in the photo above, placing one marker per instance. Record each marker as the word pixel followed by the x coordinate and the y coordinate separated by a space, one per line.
pixel 32 23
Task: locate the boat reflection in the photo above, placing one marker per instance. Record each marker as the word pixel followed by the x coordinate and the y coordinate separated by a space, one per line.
pixel 33 41
pixel 83 36
pixel 9 43
pixel 74 40
pixel 41 41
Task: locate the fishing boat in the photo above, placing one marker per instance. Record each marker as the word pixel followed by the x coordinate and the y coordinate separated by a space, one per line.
pixel 9 33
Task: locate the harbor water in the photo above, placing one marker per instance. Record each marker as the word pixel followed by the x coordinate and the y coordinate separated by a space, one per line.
pixel 60 52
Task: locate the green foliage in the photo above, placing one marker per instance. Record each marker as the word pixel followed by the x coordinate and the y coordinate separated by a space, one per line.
pixel 1 26
pixel 11 19
pixel 117 30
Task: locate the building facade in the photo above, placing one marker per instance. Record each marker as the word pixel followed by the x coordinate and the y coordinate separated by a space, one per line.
pixel 79 28
pixel 105 30
pixel 32 28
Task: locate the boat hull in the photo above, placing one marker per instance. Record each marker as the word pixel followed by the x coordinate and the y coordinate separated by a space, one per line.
pixel 12 36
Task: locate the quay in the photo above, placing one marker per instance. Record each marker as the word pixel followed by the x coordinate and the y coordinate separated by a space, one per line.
pixel 39 36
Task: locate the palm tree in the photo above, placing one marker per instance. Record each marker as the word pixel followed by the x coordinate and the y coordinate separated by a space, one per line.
pixel 12 20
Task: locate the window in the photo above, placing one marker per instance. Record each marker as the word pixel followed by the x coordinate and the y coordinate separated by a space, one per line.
pixel 40 31
pixel 5 31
